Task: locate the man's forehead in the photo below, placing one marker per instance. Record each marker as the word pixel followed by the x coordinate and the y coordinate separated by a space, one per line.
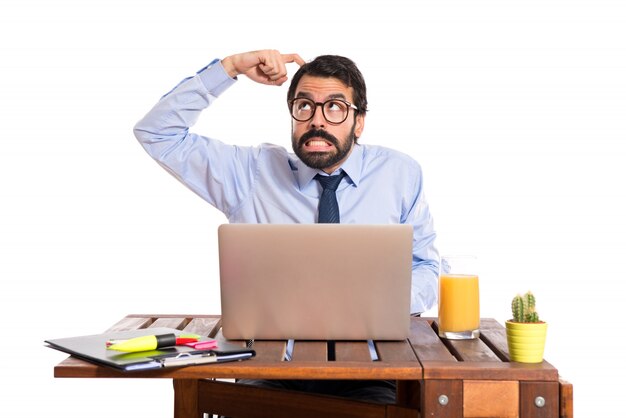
pixel 326 87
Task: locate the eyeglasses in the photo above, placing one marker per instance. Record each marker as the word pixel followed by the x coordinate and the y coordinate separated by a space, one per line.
pixel 335 111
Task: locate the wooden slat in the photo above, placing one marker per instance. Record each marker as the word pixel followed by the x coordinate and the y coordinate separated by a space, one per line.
pixel 426 342
pixel 352 351
pixel 471 350
pixel 490 398
pixel 73 367
pixel 310 351
pixel 169 322
pixel 206 327
pixel 493 334
pixel 489 371
pixel 325 370
pixel 468 350
pixel 131 323
pixel 392 351
pixel 252 369
pixel 269 351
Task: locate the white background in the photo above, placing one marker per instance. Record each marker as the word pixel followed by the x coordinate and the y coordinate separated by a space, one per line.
pixel 515 109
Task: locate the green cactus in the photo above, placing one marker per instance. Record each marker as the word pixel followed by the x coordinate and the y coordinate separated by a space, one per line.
pixel 523 308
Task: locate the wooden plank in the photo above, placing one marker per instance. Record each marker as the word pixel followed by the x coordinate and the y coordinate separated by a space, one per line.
pixel 186 398
pixel 352 351
pixel 489 371
pixel 234 400
pixel 490 398
pixel 530 392
pixel 566 399
pixel 310 351
pixel 207 327
pixel 131 323
pixel 252 369
pixel 426 343
pixel 394 351
pixel 493 334
pixel 269 351
pixel 471 350
pixel 73 367
pixel 171 322
pixel 442 398
pixel 327 370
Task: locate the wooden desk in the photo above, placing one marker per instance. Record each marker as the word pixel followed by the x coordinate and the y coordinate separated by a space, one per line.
pixel 436 378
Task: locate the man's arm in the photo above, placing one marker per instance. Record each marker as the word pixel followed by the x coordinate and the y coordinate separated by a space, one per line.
pixel 424 285
pixel 221 174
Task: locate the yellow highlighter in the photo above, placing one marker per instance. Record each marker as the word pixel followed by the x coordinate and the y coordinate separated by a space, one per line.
pixel 145 343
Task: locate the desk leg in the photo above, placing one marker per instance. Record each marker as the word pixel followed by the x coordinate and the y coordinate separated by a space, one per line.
pixel 442 398
pixel 566 397
pixel 408 393
pixel 539 399
pixel 186 398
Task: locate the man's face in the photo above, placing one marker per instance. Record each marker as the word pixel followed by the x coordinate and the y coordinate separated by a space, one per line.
pixel 318 143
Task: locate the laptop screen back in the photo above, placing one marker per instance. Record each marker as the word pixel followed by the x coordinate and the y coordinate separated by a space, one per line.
pixel 315 281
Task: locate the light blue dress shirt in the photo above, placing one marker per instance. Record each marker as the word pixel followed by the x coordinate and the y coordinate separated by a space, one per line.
pixel 268 184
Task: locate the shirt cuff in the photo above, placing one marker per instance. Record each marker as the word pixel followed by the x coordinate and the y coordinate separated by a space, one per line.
pixel 215 78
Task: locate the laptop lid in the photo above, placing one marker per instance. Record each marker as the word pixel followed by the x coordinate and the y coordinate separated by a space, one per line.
pixel 315 281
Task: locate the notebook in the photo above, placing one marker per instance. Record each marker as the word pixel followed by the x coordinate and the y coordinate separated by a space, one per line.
pixel 315 281
pixel 92 348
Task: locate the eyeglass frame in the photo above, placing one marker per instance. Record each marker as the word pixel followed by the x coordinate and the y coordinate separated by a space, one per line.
pixel 321 104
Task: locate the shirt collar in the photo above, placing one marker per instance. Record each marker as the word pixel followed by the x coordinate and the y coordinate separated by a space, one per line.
pixel 352 166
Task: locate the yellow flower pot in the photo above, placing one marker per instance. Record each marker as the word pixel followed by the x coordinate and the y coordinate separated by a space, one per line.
pixel 526 341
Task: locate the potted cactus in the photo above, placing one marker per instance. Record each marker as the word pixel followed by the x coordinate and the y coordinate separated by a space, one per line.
pixel 525 333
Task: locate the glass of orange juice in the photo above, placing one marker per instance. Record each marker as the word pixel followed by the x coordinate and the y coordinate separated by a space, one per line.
pixel 459 301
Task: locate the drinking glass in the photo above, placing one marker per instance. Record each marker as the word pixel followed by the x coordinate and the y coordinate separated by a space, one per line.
pixel 459 302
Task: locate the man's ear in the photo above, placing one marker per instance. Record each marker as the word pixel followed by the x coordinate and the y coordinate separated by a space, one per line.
pixel 359 125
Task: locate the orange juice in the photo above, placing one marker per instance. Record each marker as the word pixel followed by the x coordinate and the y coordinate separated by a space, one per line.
pixel 459 305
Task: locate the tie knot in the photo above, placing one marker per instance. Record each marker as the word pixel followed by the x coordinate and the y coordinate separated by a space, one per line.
pixel 330 182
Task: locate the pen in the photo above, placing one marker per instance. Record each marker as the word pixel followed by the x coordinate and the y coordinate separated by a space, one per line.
pixel 149 342
pixel 186 359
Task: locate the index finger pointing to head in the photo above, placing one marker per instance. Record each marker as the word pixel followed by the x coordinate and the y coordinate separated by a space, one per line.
pixel 287 58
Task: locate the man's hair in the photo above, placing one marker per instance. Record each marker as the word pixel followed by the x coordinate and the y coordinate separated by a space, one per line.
pixel 335 66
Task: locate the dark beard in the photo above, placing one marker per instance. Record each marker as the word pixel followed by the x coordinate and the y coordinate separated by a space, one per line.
pixel 323 160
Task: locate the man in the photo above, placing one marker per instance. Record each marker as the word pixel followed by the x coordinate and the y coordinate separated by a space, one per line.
pixel 267 184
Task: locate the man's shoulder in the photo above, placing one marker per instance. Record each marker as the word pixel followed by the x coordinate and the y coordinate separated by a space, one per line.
pixel 275 155
pixel 273 150
pixel 377 152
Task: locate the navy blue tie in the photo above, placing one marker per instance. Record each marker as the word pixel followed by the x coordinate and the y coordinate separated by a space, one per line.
pixel 329 209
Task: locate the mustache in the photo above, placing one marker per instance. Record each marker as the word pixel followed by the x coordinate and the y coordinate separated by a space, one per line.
pixel 319 133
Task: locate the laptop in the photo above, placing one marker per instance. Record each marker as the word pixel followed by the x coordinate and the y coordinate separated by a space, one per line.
pixel 315 281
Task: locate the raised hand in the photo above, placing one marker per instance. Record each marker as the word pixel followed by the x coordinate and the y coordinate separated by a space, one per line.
pixel 266 66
